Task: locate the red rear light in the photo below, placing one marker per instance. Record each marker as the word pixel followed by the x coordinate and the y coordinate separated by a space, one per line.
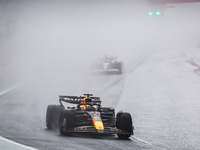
pixel 95 114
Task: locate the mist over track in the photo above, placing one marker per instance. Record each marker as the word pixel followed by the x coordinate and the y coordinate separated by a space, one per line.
pixel 56 43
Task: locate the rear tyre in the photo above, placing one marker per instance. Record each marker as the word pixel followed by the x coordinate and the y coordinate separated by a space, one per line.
pixel 52 116
pixel 67 120
pixel 124 122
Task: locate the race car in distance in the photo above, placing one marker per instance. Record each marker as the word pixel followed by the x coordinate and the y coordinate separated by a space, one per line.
pixel 107 65
pixel 88 116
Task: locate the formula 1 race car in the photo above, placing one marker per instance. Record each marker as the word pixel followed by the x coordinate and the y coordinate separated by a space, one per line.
pixel 88 116
pixel 107 65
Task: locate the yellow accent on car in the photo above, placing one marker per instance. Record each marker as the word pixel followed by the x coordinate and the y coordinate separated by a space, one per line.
pixel 85 100
pixel 98 125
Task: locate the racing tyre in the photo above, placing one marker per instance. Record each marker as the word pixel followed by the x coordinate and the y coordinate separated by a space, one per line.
pixel 52 116
pixel 124 122
pixel 120 66
pixel 67 120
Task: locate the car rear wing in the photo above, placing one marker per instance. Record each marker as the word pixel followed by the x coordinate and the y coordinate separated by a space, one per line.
pixel 76 99
pixel 108 57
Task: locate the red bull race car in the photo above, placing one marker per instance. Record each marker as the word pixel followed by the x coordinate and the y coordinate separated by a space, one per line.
pixel 107 64
pixel 88 116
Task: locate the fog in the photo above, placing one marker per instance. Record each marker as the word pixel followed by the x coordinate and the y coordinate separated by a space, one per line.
pixel 57 41
pixel 68 36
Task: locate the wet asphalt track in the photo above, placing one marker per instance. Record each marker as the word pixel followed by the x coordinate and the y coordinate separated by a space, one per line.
pixel 161 94
pixel 160 90
pixel 23 121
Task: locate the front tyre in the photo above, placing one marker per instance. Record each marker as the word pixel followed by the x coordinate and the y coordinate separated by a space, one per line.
pixel 66 120
pixel 124 122
pixel 119 66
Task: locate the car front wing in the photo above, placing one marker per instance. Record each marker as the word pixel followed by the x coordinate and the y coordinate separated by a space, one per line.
pixel 107 130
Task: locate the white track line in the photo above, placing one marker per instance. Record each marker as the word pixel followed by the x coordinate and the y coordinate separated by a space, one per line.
pixel 9 141
pixel 9 89
pixel 17 144
pixel 138 139
pixel 133 137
